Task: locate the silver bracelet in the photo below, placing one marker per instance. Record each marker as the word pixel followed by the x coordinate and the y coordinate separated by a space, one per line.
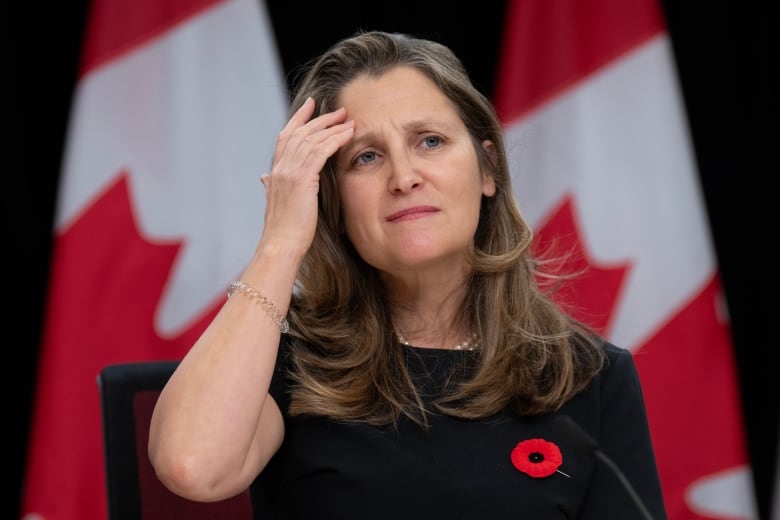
pixel 267 305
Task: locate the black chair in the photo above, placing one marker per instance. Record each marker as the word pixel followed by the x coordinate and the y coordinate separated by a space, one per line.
pixel 128 393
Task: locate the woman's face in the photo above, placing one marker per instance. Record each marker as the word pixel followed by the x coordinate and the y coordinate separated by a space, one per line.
pixel 409 180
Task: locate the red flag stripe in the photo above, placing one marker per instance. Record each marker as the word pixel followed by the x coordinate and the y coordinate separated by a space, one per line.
pixel 570 40
pixel 116 28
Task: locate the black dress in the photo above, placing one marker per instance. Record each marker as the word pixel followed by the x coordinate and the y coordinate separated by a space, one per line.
pixel 462 469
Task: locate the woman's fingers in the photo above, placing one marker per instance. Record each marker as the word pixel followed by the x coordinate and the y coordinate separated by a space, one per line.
pixel 302 150
pixel 304 157
pixel 301 126
pixel 327 142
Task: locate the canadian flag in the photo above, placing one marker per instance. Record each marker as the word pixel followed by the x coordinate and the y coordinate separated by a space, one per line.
pixel 174 118
pixel 603 168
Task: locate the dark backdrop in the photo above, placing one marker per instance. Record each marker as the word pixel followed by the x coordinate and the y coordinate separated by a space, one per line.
pixel 724 49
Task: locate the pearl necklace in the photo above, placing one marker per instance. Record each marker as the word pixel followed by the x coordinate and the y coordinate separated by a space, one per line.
pixel 470 343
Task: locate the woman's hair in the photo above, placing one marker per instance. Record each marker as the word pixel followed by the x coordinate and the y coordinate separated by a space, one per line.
pixel 347 362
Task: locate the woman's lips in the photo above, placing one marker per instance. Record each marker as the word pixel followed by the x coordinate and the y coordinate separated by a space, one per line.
pixel 412 213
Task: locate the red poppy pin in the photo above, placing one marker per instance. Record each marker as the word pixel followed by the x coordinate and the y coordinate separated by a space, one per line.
pixel 537 458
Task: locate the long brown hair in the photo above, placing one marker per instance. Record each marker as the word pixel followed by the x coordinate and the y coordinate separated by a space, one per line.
pixel 347 361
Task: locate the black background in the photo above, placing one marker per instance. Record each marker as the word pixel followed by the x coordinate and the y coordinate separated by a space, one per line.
pixel 726 52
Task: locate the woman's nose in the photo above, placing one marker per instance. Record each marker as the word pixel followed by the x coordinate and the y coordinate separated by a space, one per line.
pixel 404 176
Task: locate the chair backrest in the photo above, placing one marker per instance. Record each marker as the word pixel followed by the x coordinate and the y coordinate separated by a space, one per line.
pixel 128 393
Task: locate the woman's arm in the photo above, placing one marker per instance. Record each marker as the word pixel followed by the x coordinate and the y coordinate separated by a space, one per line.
pixel 214 426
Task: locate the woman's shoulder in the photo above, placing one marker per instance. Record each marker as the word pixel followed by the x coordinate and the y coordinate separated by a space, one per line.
pixel 616 386
pixel 615 352
pixel 619 368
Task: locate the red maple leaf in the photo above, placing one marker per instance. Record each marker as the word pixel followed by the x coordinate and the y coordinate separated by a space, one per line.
pixel 687 367
pixel 106 283
pixel 592 293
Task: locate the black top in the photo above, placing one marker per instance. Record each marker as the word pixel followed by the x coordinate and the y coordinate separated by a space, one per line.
pixel 461 469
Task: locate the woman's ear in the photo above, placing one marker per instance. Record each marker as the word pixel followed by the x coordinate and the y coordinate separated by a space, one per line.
pixel 488 177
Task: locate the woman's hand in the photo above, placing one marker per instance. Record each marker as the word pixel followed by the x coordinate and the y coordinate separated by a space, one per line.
pixel 302 149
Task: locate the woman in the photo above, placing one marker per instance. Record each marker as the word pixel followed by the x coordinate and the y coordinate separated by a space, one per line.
pixel 422 368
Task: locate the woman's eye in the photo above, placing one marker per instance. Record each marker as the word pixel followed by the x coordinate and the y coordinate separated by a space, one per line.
pixel 366 158
pixel 432 141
